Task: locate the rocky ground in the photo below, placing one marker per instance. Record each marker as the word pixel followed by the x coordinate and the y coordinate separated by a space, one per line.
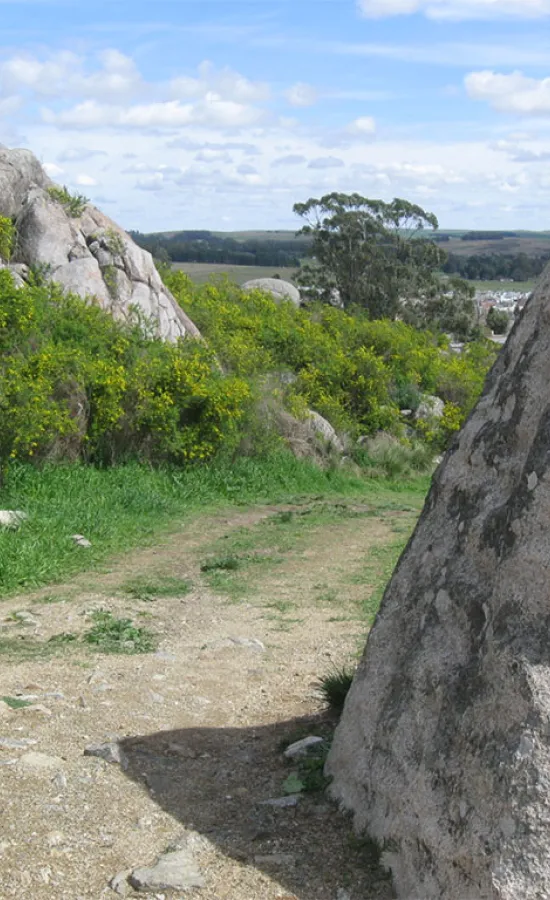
pixel 191 769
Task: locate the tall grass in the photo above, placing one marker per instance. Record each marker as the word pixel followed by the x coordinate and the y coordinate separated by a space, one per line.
pixel 125 506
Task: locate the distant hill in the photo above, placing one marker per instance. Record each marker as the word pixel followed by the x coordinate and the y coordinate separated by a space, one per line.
pixel 281 249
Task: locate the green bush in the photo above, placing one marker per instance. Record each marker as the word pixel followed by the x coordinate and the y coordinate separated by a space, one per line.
pixel 7 238
pixel 76 384
pixel 74 204
pixel 356 372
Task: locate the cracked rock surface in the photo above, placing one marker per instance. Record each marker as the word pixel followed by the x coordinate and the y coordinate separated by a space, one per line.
pixel 88 254
pixel 443 750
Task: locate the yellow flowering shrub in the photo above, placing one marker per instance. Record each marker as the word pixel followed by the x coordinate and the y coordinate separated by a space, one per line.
pixel 73 382
pixel 356 372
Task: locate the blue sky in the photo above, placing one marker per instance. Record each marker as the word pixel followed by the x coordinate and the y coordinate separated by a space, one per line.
pixel 223 113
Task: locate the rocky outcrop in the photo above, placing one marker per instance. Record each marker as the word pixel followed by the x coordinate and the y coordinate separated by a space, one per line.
pixel 443 750
pixel 85 252
pixel 279 289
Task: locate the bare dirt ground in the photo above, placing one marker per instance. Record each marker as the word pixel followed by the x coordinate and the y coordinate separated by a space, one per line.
pixel 201 720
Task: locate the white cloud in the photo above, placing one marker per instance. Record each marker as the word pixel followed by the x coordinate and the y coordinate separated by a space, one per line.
pixel 210 110
pixel 510 93
pixel 456 9
pixel 301 94
pixel 64 74
pixel 364 125
pixel 85 181
pixel 52 170
pixel 226 83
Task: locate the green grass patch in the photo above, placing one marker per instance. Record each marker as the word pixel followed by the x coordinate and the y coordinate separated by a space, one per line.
pixel 112 635
pixel 128 506
pixel 151 587
pixel 15 702
pixel 377 571
pixel 334 687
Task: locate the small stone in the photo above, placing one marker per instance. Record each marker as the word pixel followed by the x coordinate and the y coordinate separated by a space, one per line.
pixel 156 698
pixel 119 884
pixel 110 751
pixel 532 481
pixel 175 871
pixel 59 781
pixel 34 763
pixel 251 643
pixel 282 802
pixel 342 894
pixel 81 541
pixel 302 748
pixel 16 743
pixel 12 518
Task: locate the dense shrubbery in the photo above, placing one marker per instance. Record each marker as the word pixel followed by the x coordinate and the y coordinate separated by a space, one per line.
pixel 356 372
pixel 75 383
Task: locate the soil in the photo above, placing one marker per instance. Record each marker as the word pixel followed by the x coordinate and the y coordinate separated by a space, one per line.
pixel 202 721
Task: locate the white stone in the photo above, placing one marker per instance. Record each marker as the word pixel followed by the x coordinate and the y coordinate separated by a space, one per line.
pixel 279 289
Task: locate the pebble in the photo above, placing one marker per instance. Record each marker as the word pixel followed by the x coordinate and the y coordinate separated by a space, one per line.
pixel 302 748
pixel 175 871
pixel 110 751
pixel 119 884
pixel 16 743
pixel 81 541
pixel 12 518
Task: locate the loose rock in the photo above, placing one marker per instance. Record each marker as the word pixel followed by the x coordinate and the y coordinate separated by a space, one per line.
pixel 12 518
pixel 304 747
pixel 110 751
pixel 34 763
pixel 81 541
pixel 176 871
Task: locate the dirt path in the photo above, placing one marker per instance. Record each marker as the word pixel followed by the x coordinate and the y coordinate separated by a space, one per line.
pixel 201 721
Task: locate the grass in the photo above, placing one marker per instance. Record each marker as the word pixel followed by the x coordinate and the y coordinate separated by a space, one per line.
pixel 202 272
pixel 334 687
pixel 112 635
pixel 15 702
pixel 128 506
pixel 520 286
pixel 151 587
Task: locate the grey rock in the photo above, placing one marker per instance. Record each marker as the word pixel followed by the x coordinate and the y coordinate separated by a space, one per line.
pixel 279 289
pixel 120 885
pixel 324 430
pixel 176 871
pixel 88 255
pixel 251 643
pixel 430 407
pixel 12 518
pixel 303 748
pixel 16 743
pixel 81 541
pixel 110 751
pixel 442 749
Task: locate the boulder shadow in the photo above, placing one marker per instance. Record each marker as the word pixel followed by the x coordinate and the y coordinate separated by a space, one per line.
pixel 215 781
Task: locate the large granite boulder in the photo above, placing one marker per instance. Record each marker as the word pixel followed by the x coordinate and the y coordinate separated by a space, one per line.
pixel 443 750
pixel 279 289
pixel 87 253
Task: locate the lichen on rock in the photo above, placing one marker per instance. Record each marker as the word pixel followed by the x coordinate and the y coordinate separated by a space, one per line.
pixel 443 750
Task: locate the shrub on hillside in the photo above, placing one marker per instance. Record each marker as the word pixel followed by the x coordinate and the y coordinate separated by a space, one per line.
pixel 76 383
pixel 356 372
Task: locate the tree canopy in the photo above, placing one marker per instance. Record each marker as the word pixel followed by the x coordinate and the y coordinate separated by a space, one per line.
pixel 375 255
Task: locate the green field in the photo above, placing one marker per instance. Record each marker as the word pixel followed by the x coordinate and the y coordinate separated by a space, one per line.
pixel 522 286
pixel 201 272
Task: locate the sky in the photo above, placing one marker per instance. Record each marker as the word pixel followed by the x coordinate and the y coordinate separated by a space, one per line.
pixel 221 114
